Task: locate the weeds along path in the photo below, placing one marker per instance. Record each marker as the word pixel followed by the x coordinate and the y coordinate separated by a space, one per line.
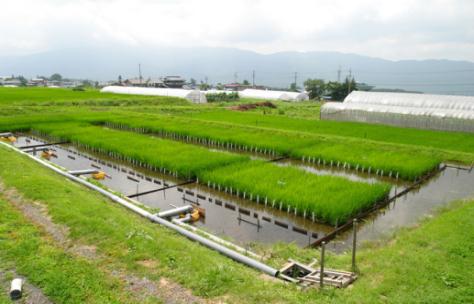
pixel 324 198
pixel 139 288
pixel 61 277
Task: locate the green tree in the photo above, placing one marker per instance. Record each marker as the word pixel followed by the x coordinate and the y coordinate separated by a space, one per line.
pixel 23 81
pixel 87 83
pixel 315 87
pixel 192 81
pixel 56 77
pixel 204 86
pixel 339 91
pixel 246 82
pixel 294 87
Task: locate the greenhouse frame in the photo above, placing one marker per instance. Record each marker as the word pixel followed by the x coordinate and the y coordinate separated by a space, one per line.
pixel 422 111
pixel 193 95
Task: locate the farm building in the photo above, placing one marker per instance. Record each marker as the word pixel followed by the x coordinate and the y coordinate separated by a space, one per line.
pixel 192 95
pixel 423 111
pixel 273 95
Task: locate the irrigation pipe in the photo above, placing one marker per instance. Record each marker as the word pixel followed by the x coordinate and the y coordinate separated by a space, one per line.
pixel 182 222
pixel 191 235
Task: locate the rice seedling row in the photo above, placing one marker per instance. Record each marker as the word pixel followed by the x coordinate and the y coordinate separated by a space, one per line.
pixel 320 198
pixel 382 159
pixel 444 140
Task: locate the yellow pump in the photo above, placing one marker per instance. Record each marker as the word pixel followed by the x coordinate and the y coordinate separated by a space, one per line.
pixel 99 175
pixel 47 154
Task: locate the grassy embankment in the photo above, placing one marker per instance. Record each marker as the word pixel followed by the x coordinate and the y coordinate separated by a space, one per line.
pixel 431 263
pixel 331 199
pixel 64 277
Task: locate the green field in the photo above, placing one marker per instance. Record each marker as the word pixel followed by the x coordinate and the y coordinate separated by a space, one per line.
pixel 408 162
pixel 303 193
pixel 59 96
pixel 111 255
pixel 450 141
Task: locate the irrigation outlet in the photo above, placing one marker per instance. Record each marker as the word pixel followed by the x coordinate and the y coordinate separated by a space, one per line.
pixel 154 218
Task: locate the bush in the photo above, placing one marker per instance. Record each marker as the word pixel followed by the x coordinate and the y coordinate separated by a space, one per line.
pixel 223 96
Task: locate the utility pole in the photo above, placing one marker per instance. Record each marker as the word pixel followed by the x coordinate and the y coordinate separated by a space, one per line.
pixel 339 75
pixel 205 78
pixel 140 73
pixel 349 82
pixel 296 78
pixel 235 77
pixel 253 78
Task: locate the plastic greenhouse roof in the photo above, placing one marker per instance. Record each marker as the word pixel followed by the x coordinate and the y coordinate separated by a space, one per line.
pixel 426 101
pixel 275 95
pixel 334 107
pixel 192 95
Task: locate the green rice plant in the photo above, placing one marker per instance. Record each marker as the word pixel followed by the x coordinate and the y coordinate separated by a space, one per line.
pixel 171 157
pixel 237 137
pixel 383 159
pixel 63 97
pixel 320 197
pixel 444 140
pixel 324 198
pixel 370 157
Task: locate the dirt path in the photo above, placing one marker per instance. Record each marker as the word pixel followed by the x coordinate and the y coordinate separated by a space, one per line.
pixel 167 291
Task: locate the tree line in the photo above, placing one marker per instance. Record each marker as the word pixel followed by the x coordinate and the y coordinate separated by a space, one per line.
pixel 319 89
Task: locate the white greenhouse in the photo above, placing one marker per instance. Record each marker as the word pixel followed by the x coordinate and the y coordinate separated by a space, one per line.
pixel 273 95
pixel 193 95
pixel 423 111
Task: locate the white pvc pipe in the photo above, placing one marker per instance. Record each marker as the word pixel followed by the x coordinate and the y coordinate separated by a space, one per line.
pixel 191 235
pixel 175 211
pixel 182 222
pixel 15 289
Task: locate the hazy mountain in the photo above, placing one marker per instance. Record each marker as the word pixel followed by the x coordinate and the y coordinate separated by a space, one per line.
pixel 225 64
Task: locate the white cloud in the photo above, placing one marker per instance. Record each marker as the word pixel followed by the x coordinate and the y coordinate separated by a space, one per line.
pixel 391 29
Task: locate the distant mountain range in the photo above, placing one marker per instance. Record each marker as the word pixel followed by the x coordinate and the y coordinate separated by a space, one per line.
pixel 226 65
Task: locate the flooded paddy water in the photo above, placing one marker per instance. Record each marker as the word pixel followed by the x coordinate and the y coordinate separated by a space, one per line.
pixel 245 222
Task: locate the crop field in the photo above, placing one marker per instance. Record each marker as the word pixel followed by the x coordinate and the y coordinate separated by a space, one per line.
pixel 450 141
pixel 384 159
pixel 323 198
pixel 179 159
pixel 59 96
pixel 233 156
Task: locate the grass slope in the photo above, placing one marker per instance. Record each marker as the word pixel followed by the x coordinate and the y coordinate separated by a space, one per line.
pixel 63 277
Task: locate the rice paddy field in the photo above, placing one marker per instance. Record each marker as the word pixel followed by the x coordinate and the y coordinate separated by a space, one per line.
pixel 108 250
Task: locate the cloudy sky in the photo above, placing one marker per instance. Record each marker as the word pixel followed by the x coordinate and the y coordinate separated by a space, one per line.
pixel 401 29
